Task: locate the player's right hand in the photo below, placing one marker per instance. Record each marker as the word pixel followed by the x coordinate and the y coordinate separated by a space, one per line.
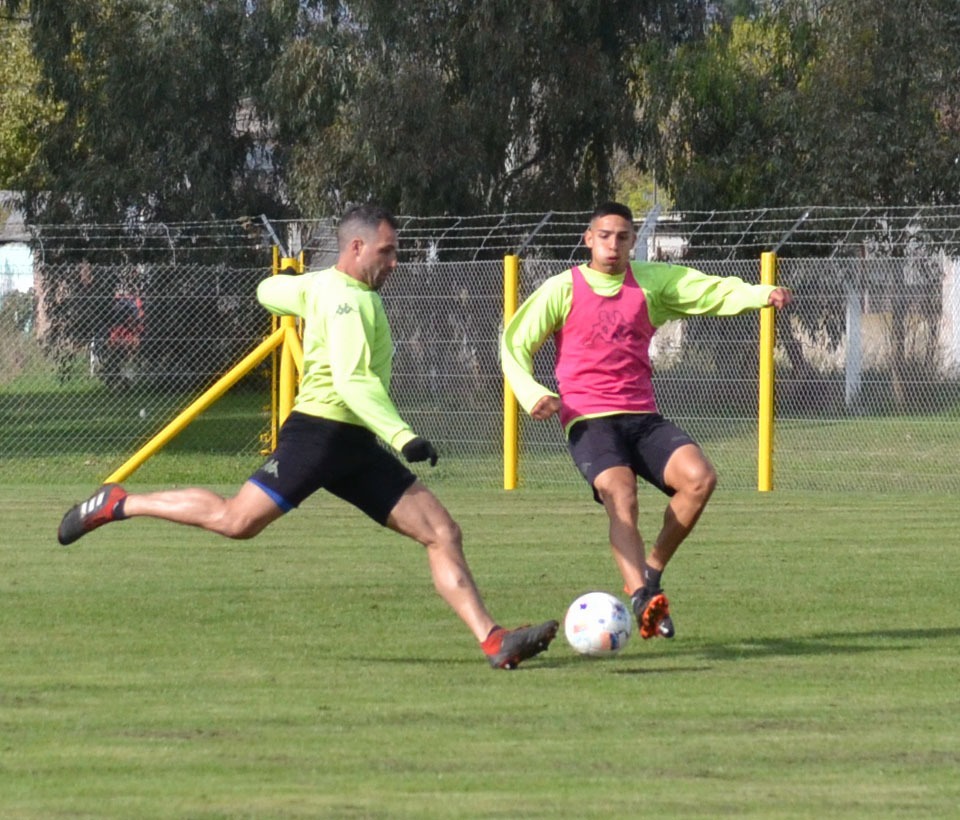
pixel 545 408
pixel 419 449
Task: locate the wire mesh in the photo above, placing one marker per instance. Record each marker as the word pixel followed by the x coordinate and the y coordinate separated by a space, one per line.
pixel 111 353
pixel 126 325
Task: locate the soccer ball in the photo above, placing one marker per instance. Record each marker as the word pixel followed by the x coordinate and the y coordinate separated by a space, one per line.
pixel 598 624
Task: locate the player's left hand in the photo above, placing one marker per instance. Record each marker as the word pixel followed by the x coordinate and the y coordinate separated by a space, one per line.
pixel 780 298
pixel 419 449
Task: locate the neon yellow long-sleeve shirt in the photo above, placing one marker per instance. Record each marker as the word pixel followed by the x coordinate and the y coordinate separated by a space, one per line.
pixel 672 292
pixel 347 350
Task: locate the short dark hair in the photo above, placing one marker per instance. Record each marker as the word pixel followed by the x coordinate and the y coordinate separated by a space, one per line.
pixel 363 217
pixel 612 209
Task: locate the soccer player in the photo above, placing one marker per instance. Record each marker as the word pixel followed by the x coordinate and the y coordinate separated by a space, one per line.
pixel 603 317
pixel 330 439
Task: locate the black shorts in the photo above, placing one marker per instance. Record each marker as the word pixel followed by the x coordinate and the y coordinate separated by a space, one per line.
pixel 643 442
pixel 315 453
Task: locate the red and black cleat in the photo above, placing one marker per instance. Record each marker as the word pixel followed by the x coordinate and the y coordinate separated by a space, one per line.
pixel 99 509
pixel 506 648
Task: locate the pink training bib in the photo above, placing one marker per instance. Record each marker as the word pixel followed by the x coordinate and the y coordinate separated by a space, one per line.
pixel 603 352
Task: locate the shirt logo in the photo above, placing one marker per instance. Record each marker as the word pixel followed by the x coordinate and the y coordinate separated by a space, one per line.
pixel 344 309
pixel 271 468
pixel 611 327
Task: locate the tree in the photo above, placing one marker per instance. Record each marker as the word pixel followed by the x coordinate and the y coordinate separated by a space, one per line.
pixel 156 125
pixel 724 114
pixel 881 109
pixel 880 104
pixel 155 117
pixel 459 107
pixel 820 101
pixel 23 113
pixel 186 109
pixel 811 101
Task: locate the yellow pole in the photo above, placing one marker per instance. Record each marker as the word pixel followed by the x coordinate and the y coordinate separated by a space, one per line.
pixel 274 369
pixel 288 375
pixel 292 341
pixel 768 276
pixel 221 386
pixel 288 365
pixel 511 414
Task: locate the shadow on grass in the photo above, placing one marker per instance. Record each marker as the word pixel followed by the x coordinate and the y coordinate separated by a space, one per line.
pixel 825 643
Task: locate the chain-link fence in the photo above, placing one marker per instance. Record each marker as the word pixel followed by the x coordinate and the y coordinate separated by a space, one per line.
pixel 106 350
pixel 110 353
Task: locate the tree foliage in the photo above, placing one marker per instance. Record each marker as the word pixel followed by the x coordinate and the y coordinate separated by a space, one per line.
pixel 155 122
pixel 808 102
pixel 23 113
pixel 881 104
pixel 185 109
pixel 477 105
pixel 726 113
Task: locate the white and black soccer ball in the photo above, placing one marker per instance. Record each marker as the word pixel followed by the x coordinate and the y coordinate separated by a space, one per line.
pixel 598 624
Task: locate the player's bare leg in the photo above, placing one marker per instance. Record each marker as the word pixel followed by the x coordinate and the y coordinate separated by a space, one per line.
pixel 617 488
pixel 243 515
pixel 693 478
pixel 420 515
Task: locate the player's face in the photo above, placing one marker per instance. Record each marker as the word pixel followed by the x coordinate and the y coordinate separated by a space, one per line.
pixel 377 256
pixel 610 239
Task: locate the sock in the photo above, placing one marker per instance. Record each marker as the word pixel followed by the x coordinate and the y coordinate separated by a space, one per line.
pixel 651 578
pixel 491 644
pixel 118 513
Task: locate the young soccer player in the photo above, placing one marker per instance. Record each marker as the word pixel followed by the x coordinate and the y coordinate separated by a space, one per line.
pixel 603 316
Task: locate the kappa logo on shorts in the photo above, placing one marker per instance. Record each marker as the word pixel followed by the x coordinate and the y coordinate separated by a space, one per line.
pixel 345 308
pixel 271 468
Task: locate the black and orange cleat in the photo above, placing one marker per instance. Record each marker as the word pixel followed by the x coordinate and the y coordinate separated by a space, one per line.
pixel 653 614
pixel 506 648
pixel 99 509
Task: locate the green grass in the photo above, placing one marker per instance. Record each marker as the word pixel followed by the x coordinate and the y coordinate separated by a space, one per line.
pixel 152 671
pixel 82 432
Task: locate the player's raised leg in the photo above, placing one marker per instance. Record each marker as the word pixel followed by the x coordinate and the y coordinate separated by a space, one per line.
pixel 693 479
pixel 243 515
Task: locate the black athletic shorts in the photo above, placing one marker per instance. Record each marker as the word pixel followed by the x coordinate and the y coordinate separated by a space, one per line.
pixel 643 442
pixel 315 453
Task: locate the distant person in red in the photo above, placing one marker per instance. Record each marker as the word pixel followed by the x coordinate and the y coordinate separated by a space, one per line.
pixel 114 351
pixel 127 325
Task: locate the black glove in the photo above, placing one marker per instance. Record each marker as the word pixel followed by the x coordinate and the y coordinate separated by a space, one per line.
pixel 419 449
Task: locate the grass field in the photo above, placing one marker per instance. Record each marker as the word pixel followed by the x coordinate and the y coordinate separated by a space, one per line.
pixel 151 671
